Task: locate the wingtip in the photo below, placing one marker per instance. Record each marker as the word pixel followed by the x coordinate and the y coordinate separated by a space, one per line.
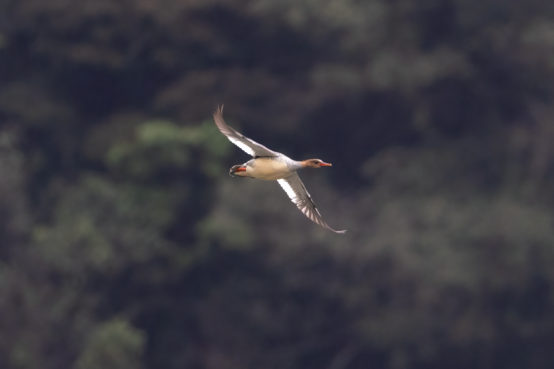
pixel 219 110
pixel 341 232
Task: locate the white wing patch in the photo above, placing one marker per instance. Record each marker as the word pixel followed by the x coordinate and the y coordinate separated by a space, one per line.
pixel 242 145
pixel 288 189
pixel 298 194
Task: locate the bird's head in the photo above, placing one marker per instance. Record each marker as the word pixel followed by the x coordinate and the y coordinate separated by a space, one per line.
pixel 314 163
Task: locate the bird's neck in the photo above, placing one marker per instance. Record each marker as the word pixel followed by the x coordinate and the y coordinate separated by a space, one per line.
pixel 295 165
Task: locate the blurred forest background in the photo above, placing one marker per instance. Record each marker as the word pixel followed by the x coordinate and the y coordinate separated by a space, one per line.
pixel 125 244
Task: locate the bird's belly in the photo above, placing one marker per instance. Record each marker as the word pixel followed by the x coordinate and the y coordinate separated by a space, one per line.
pixel 268 169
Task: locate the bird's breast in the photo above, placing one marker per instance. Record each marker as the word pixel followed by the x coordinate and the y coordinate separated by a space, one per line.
pixel 269 169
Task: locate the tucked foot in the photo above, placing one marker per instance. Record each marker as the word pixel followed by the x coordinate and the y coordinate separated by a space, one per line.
pixel 235 169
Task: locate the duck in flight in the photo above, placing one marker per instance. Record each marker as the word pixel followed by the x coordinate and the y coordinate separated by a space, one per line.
pixel 270 166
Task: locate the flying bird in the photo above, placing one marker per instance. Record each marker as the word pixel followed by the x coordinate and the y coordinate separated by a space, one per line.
pixel 274 166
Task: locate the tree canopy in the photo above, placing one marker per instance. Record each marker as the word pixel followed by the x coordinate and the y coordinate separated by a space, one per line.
pixel 125 244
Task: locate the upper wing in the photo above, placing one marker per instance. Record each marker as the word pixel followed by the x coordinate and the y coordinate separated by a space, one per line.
pixel 294 187
pixel 251 147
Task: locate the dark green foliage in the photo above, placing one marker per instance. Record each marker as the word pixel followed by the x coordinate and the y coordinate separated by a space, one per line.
pixel 113 345
pixel 125 244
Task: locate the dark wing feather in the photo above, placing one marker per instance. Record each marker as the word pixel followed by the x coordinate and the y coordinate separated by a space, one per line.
pixel 298 194
pixel 249 146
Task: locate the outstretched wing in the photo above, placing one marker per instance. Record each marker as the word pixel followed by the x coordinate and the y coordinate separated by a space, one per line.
pixel 249 146
pixel 298 194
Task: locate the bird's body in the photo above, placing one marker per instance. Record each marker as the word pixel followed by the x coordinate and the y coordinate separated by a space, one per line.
pixel 269 165
pixel 269 168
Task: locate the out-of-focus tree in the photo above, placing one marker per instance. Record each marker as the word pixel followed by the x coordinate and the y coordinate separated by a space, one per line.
pixel 125 244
